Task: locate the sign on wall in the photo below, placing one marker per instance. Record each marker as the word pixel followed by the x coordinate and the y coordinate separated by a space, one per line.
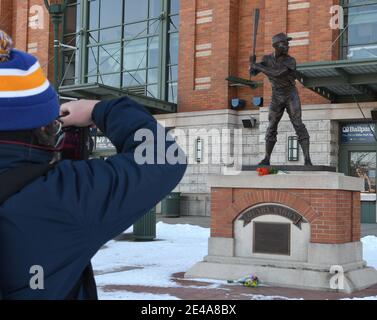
pixel 36 17
pixel 357 133
pixel 273 209
pixel 103 143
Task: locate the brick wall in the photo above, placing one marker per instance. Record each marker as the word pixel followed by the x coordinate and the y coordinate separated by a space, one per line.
pixel 245 47
pixel 6 14
pixel 28 23
pixel 208 53
pixel 215 42
pixel 227 26
pixel 334 215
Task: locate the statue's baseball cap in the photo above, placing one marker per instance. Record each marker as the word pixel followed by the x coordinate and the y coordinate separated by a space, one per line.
pixel 280 37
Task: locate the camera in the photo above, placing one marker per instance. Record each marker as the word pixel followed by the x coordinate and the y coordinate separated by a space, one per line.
pixel 77 145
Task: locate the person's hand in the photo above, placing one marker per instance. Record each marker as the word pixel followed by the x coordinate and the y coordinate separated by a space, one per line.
pixel 77 113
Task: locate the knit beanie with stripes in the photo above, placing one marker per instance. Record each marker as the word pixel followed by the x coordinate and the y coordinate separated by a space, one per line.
pixel 27 100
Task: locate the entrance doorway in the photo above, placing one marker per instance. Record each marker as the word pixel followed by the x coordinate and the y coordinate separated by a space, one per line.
pixel 357 158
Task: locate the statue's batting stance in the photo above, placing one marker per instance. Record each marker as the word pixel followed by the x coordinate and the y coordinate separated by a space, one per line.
pixel 280 68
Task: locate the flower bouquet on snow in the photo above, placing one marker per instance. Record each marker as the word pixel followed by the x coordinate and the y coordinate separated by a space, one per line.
pixel 248 281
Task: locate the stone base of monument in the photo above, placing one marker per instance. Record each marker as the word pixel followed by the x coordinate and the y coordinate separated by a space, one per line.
pixel 299 230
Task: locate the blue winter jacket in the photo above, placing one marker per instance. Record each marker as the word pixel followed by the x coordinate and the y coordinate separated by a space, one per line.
pixel 62 219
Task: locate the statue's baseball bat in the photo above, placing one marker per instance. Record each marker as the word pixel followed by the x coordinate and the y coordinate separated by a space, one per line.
pixel 255 32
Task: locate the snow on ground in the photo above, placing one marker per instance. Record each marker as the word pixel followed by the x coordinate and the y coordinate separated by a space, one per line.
pixel 370 250
pixel 370 256
pixel 365 298
pixel 126 295
pixel 262 297
pixel 177 248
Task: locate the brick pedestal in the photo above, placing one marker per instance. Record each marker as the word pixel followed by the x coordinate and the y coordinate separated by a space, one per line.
pixel 327 204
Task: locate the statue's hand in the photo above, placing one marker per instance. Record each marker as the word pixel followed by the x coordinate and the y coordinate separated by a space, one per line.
pixel 252 71
pixel 253 59
pixel 256 66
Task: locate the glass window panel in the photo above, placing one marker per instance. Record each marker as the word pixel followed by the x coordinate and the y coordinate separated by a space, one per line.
pixel 173 73
pixel 362 52
pixel 153 52
pixel 92 60
pixel 153 75
pixel 362 25
pixel 112 34
pixel 154 27
pixel 134 78
pixel 71 40
pixel 67 82
pixel 78 16
pixel 112 80
pixel 93 37
pixel 363 165
pixel 110 14
pixel 109 58
pixel 94 14
pixel 135 30
pixel 152 91
pixel 135 56
pixel 69 71
pixel 361 35
pixel 154 8
pixel 173 52
pixel 174 23
pixel 173 90
pixel 93 79
pixel 359 2
pixel 174 6
pixel 135 10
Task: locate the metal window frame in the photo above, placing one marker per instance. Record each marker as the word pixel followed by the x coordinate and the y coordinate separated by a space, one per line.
pixel 163 33
pixel 341 81
pixel 343 42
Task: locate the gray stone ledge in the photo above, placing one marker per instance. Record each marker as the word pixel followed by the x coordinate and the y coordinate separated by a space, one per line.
pixel 281 263
pixel 293 180
pixel 354 280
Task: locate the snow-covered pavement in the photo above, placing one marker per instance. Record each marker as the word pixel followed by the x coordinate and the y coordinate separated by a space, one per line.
pixel 177 248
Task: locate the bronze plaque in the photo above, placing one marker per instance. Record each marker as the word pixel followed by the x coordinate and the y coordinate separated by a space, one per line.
pixel 272 238
pixel 278 210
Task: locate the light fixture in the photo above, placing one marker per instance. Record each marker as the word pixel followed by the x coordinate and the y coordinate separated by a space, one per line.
pixel 199 150
pixel 249 123
pixel 374 114
pixel 237 103
pixel 293 148
pixel 257 101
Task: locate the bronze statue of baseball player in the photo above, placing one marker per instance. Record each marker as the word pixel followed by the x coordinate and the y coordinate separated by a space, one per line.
pixel 280 68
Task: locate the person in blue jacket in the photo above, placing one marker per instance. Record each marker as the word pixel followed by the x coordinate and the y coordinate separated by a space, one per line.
pixel 61 219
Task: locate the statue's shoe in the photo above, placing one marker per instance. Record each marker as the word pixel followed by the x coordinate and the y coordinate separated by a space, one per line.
pixel 264 162
pixel 308 162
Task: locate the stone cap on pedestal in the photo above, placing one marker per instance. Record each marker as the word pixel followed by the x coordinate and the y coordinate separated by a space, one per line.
pixel 291 180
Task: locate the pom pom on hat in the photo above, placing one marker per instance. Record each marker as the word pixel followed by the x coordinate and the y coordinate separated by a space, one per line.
pixel 6 44
pixel 27 100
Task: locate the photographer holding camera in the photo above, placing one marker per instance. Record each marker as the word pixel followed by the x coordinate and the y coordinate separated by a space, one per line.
pixel 57 214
